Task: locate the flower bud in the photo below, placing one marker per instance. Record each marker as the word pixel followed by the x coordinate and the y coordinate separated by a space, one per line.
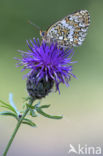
pixel 38 88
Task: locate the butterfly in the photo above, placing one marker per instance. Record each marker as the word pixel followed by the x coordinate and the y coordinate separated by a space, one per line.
pixel 69 31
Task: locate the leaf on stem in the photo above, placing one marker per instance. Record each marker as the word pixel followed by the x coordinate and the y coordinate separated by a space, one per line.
pixel 8 106
pixel 29 122
pixel 40 111
pixel 8 113
pixel 45 106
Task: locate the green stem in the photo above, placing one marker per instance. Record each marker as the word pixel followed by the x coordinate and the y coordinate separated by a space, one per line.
pixel 17 127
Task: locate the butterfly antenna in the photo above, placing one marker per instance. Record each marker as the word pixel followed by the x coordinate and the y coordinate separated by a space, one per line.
pixel 36 26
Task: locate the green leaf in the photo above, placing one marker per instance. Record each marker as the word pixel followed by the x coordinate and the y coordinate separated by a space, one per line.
pixel 24 105
pixel 8 113
pixel 47 115
pixel 8 106
pixel 45 106
pixel 4 106
pixel 28 106
pixel 29 122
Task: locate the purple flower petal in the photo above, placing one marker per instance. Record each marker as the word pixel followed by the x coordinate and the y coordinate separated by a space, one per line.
pixel 50 61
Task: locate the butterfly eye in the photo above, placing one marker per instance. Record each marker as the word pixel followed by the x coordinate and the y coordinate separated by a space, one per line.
pixel 43 33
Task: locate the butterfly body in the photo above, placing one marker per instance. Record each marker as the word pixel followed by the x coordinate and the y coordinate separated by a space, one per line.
pixel 69 31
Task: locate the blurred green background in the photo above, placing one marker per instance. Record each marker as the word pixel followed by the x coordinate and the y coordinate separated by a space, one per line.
pixel 81 103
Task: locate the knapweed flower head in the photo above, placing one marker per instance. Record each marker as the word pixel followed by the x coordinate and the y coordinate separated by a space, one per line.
pixel 47 62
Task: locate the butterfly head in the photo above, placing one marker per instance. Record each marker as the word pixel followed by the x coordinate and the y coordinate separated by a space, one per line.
pixel 43 34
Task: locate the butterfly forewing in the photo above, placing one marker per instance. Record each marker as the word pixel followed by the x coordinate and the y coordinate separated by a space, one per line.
pixel 71 30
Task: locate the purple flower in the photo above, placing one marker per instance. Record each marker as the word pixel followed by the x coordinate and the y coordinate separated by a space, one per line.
pixel 49 61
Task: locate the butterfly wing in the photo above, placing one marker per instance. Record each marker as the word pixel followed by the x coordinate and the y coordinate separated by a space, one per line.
pixel 71 30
